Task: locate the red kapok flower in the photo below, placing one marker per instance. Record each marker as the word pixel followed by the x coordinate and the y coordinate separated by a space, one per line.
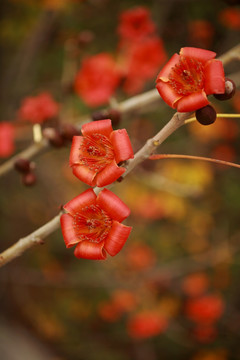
pixel 205 309
pixel 95 155
pixel 7 146
pixel 135 24
pixel 94 223
pixel 230 18
pixel 204 333
pixel 37 109
pixel 187 79
pixel 97 79
pixel 142 63
pixel 195 284
pixel 146 324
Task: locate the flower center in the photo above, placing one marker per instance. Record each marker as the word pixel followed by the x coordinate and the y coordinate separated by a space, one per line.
pixel 96 152
pixel 92 223
pixel 187 76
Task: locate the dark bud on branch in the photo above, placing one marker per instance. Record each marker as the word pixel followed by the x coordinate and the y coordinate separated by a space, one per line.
pixel 22 165
pixel 99 115
pixel 112 114
pixel 68 131
pixel 29 179
pixel 206 115
pixel 115 116
pixel 53 136
pixel 230 89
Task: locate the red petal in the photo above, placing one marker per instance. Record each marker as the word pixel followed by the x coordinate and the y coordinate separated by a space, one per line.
pixel 84 174
pixel 168 94
pixel 103 127
pixel 109 174
pixel 68 232
pixel 214 77
pixel 116 238
pixel 113 206
pixel 87 197
pixel 75 150
pixel 90 250
pixel 198 54
pixel 121 145
pixel 192 102
pixel 164 73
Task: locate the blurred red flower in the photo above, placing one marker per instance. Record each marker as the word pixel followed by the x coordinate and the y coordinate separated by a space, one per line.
pixel 142 60
pixel 108 311
pixel 204 333
pixel 135 24
pixel 140 256
pixel 95 155
pixel 195 284
pixel 121 301
pixel 230 18
pixel 97 79
pixel 187 79
pixel 94 224
pixel 7 145
pixel 200 33
pixel 37 109
pixel 146 324
pixel 205 309
pixel 124 300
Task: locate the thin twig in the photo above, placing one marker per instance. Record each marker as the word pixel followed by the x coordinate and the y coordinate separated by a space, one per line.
pixel 27 242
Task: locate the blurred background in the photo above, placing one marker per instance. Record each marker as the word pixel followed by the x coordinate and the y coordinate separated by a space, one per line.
pixel 173 291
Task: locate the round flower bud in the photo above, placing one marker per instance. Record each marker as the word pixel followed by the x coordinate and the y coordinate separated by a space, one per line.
pixel 206 115
pixel 29 179
pixel 230 89
pixel 99 115
pixel 115 116
pixel 68 131
pixel 22 165
pixel 53 136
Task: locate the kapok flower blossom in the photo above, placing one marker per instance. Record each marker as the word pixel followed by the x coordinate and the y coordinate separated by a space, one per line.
pixel 205 309
pixel 135 24
pixel 142 60
pixel 146 324
pixel 38 109
pixel 187 79
pixel 95 156
pixel 94 224
pixel 97 79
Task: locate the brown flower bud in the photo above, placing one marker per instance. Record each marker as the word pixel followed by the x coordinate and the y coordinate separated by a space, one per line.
pixel 29 179
pixel 230 89
pixel 68 131
pixel 22 165
pixel 53 136
pixel 99 115
pixel 206 115
pixel 115 116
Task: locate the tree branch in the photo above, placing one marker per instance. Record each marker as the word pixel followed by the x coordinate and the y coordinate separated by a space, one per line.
pixel 37 236
pixel 127 106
